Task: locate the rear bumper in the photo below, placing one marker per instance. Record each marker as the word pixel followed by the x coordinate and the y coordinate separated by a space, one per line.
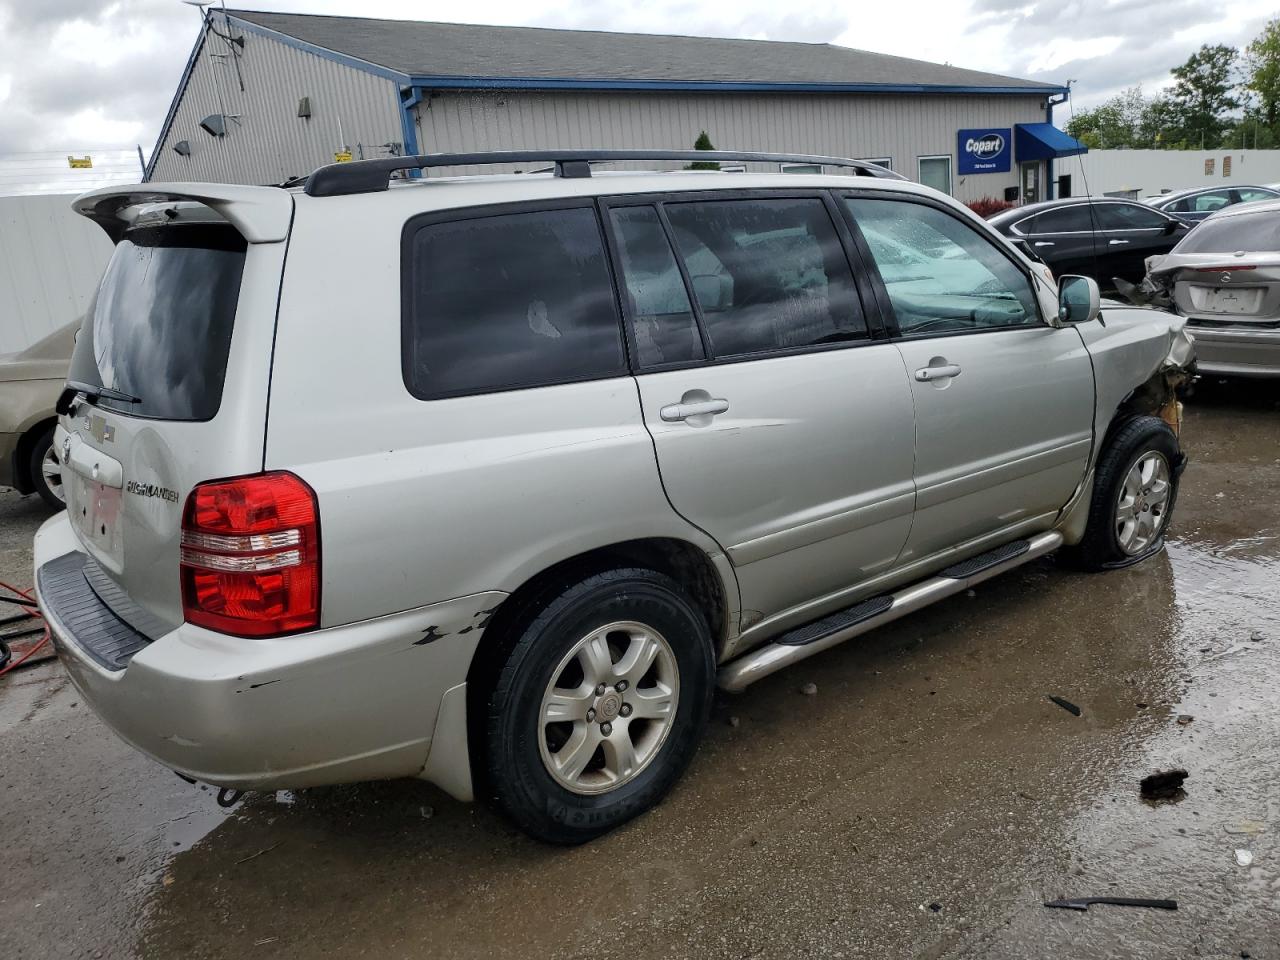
pixel 356 702
pixel 1235 352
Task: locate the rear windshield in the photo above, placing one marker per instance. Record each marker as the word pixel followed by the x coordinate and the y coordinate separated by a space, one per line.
pixel 160 327
pixel 1250 232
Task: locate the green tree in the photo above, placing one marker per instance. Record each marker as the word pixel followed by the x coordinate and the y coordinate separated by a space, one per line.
pixel 1129 120
pixel 703 143
pixel 1204 94
pixel 1262 73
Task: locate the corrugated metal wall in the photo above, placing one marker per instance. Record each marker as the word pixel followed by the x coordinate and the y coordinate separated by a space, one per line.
pixel 51 260
pixel 903 128
pixel 269 143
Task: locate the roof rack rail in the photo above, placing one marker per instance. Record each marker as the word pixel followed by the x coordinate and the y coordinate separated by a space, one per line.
pixel 372 176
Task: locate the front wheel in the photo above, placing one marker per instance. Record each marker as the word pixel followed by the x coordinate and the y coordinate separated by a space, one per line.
pixel 600 705
pixel 1134 492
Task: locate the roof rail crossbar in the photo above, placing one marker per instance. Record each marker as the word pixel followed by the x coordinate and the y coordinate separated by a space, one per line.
pixel 372 176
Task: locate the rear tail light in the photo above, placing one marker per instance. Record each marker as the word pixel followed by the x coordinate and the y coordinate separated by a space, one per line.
pixel 250 559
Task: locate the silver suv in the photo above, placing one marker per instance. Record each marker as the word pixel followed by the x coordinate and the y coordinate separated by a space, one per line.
pixel 490 480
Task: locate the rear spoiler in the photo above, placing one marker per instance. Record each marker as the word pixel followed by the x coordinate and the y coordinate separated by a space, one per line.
pixel 261 214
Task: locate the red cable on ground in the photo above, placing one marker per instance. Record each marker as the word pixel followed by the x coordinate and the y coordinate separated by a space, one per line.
pixel 35 612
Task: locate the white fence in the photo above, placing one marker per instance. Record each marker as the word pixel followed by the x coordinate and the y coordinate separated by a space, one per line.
pixel 51 260
pixel 1144 173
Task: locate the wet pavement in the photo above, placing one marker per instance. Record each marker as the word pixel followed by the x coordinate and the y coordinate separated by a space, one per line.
pixel 924 802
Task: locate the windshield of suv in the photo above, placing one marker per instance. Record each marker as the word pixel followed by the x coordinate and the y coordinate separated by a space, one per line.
pixel 160 328
pixel 1251 232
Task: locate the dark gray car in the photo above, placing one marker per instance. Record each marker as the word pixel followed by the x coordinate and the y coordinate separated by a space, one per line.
pixel 1093 237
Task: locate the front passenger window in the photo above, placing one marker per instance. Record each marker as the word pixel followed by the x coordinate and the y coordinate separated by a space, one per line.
pixel 957 281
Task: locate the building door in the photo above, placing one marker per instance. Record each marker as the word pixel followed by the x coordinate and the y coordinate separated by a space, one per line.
pixel 1031 182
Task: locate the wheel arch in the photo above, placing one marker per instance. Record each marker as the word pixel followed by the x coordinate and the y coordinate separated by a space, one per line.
pixel 709 581
pixel 23 482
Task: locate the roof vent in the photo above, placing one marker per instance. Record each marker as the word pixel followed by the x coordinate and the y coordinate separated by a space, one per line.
pixel 182 148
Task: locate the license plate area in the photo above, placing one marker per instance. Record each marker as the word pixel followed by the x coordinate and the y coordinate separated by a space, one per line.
pixel 1228 300
pixel 95 513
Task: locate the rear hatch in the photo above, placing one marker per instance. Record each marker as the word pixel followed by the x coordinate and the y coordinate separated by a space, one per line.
pixel 169 377
pixel 1241 291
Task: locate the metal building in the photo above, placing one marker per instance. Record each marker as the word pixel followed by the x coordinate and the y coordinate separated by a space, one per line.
pixel 269 96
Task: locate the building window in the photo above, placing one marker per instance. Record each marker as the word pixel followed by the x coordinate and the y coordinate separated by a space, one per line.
pixel 1226 166
pixel 936 172
pixel 1208 167
pixel 886 162
pixel 801 167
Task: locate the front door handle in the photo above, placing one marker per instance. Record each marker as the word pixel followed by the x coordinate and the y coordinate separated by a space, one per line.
pixel 1116 243
pixel 925 374
pixel 675 412
pixel 1044 243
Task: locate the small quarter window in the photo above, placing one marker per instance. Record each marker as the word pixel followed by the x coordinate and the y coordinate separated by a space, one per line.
pixel 661 316
pixel 503 302
pixel 942 276
pixel 767 274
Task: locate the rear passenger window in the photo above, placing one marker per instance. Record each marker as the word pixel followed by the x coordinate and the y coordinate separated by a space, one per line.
pixel 1129 216
pixel 767 274
pixel 661 316
pixel 498 303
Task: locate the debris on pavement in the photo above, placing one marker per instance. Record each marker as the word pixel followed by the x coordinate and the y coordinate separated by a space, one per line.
pixel 254 856
pixel 1244 857
pixel 1082 903
pixel 809 689
pixel 733 721
pixel 935 907
pixel 1247 828
pixel 1066 705
pixel 1257 636
pixel 1184 719
pixel 1163 785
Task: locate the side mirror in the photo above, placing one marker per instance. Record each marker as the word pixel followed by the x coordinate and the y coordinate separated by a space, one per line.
pixel 1079 300
pixel 1171 226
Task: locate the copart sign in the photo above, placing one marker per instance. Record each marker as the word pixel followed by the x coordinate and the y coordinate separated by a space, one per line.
pixel 984 151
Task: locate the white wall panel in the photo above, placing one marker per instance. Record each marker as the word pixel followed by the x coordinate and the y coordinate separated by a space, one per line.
pixel 269 142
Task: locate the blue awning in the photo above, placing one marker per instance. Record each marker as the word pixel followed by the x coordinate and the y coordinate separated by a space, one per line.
pixel 1040 141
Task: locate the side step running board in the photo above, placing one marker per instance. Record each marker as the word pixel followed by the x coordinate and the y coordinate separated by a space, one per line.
pixel 811 638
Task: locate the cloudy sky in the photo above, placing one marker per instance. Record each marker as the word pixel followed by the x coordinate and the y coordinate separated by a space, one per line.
pixel 80 75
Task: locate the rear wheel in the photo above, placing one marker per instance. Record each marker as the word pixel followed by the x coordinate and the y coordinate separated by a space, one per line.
pixel 1135 488
pixel 46 471
pixel 599 706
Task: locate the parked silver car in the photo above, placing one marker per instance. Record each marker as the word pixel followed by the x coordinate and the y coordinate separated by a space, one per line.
pixel 1198 203
pixel 30 382
pixel 1225 278
pixel 493 478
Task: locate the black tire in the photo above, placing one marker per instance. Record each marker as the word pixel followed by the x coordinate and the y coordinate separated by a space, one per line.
pixel 1100 548
pixel 35 467
pixel 518 777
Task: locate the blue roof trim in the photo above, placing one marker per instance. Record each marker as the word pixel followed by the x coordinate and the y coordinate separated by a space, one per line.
pixel 712 86
pixel 248 26
pixel 173 104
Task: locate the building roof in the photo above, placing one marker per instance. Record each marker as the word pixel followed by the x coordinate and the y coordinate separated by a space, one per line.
pixel 536 56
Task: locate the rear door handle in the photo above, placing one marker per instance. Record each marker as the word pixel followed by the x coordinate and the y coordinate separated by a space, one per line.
pixel 1044 243
pixel 675 412
pixel 1116 243
pixel 925 374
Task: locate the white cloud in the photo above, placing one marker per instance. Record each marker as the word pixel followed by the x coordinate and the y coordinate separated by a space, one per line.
pixel 84 74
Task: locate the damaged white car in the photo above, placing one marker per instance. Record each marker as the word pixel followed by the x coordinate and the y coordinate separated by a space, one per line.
pixel 1224 277
pixel 495 488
